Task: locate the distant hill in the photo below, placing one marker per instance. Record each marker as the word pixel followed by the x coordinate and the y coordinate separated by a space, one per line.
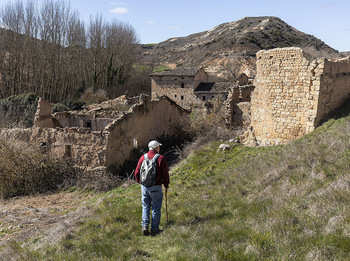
pixel 230 48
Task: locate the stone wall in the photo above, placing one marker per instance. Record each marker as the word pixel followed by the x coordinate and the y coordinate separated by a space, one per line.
pixel 238 106
pixel 185 97
pixel 334 86
pixel 143 123
pixel 292 94
pixel 43 117
pixel 84 149
pixel 178 88
pixel 84 120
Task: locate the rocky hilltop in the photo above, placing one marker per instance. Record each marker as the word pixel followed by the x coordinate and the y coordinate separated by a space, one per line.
pixel 230 48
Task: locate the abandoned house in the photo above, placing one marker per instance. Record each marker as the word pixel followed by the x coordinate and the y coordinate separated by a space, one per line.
pixel 210 90
pixel 178 85
pixel 101 135
pixel 187 86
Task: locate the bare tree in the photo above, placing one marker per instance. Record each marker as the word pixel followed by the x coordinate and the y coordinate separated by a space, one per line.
pixel 49 51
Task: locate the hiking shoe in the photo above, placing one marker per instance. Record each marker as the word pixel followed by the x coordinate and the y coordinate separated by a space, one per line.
pixel 154 233
pixel 145 231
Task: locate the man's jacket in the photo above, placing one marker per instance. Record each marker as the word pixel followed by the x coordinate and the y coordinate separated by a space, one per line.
pixel 162 171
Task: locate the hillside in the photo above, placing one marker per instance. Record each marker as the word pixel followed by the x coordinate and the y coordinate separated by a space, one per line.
pixel 231 47
pixel 288 202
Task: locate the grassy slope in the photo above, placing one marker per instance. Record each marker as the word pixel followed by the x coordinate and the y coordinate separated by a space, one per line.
pixel 278 203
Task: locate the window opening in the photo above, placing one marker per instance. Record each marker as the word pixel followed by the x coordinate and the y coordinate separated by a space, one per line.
pixel 87 124
pixel 68 150
pixel 43 146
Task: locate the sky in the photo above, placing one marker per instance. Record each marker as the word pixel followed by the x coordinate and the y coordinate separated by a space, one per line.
pixel 158 20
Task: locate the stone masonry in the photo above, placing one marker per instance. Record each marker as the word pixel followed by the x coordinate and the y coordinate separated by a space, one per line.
pixel 178 85
pixel 292 94
pixel 238 105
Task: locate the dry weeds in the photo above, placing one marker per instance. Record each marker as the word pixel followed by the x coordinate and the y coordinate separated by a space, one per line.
pixel 48 217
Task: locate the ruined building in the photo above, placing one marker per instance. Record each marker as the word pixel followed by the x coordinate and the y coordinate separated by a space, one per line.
pixel 190 87
pixel 238 106
pixel 101 135
pixel 187 86
pixel 292 94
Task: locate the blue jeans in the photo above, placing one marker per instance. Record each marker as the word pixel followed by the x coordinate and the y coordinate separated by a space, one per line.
pixel 152 197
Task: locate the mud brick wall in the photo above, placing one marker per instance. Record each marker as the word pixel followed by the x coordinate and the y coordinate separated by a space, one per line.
pixel 143 123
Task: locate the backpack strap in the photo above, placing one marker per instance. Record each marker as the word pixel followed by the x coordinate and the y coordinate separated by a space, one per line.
pixel 145 156
pixel 155 157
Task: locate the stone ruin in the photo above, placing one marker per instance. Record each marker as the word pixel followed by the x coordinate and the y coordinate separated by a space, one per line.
pixel 43 116
pixel 292 94
pixel 100 135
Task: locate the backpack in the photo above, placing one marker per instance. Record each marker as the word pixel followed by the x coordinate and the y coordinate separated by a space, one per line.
pixel 148 171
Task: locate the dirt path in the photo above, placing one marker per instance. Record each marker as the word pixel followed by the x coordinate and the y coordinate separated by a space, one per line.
pixel 47 217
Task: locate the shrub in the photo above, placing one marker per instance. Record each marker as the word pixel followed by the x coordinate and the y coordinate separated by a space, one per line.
pixel 25 170
pixel 18 111
pixel 74 105
pixel 90 96
pixel 58 107
pixel 207 125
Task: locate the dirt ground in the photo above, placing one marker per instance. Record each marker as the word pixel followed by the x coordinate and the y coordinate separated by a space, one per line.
pixel 46 217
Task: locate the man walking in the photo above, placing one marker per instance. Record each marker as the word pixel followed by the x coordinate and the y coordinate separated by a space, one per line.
pixel 152 196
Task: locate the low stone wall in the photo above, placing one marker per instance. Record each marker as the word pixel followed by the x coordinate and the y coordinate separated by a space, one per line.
pixel 84 149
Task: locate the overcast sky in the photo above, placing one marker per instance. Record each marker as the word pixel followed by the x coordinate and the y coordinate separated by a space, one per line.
pixel 158 20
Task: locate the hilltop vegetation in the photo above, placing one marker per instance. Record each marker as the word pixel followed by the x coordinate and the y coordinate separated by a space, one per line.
pixel 288 202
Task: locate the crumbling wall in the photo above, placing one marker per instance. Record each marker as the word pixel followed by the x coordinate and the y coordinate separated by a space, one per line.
pixel 285 99
pixel 88 120
pixel 84 149
pixel 238 106
pixel 241 116
pixel 334 86
pixel 43 117
pixel 292 94
pixel 114 144
pixel 145 122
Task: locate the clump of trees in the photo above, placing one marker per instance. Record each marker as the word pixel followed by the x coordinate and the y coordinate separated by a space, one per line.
pixel 48 50
pixel 18 111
